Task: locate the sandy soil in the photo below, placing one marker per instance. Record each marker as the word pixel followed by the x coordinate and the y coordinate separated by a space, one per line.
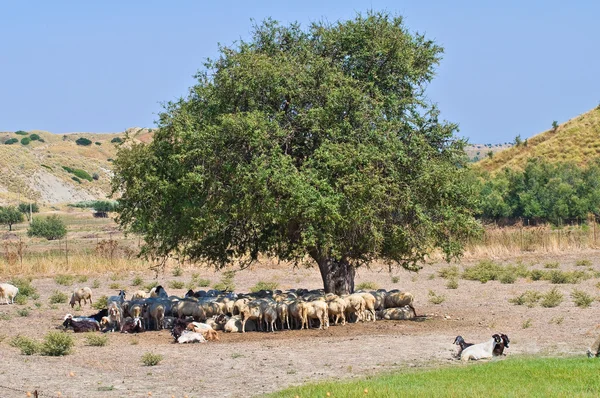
pixel 258 363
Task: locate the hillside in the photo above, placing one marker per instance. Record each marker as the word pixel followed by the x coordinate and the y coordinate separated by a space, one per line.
pixel 577 140
pixel 36 171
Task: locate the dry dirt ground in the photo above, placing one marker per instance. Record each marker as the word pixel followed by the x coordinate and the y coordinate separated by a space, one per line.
pixel 258 363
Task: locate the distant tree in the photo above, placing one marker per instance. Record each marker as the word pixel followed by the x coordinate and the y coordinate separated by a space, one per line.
pixel 25 140
pixel 11 141
pixel 525 142
pixel 98 143
pixel 21 132
pixel 116 140
pixel 554 125
pixel 51 228
pixel 83 141
pixel 490 154
pixel 10 215
pixel 25 209
pixel 34 137
pixel 518 140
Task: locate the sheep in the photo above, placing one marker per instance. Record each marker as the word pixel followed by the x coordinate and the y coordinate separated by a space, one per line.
pixel 140 294
pixel 135 310
pixel 210 308
pixel 462 344
pixel 80 326
pixel 369 311
pixel 594 350
pixel 179 327
pixel 115 315
pixel 336 307
pixel 282 315
pixel 106 325
pixel 158 291
pixel 234 325
pixel 251 311
pixel 395 299
pixel 295 314
pixel 217 322
pixel 396 314
pixel 154 312
pixel 499 348
pixel 84 293
pixel 204 329
pixel 190 337
pixel 99 315
pixel 379 299
pixel 169 322
pixel 132 325
pixel 8 291
pixel 190 308
pixel 269 314
pixel 482 350
pixel 118 299
pixel 355 304
pixel 315 310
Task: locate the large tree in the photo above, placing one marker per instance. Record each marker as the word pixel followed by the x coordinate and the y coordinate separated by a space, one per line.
pixel 304 144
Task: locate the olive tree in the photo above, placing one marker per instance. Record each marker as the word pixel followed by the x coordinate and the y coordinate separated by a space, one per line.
pixel 307 145
pixel 10 215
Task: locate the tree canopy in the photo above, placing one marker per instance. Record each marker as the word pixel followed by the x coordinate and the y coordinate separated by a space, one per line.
pixel 315 143
pixel 10 215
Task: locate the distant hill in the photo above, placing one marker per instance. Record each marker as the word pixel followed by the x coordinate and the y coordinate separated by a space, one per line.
pixel 477 152
pixel 55 169
pixel 577 140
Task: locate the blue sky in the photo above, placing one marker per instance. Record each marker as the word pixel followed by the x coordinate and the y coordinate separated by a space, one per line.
pixel 509 68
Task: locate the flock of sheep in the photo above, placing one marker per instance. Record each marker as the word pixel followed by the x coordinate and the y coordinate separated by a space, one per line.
pixel 198 316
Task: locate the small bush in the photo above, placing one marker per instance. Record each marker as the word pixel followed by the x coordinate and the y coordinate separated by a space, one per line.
pixel 20 299
pixel 83 141
pixel 452 283
pixel 449 272
pixel 581 298
pixel 65 280
pixel 435 298
pixel 58 297
pixel 537 275
pixel 21 132
pixel 552 298
pixel 562 277
pixel 116 140
pixel 96 340
pixel 98 143
pixel 552 265
pixel 23 312
pixel 150 359
pixel 557 320
pixel 96 284
pixel 177 271
pixel 529 298
pixel 115 286
pixel 527 324
pixel 11 141
pixel 57 344
pixel 25 344
pixel 226 283
pixel 176 284
pixel 203 282
pixel 100 303
pixel 82 278
pixel 25 141
pixel 34 137
pixel 395 279
pixel 507 278
pixel 24 285
pixel 261 285
pixel 76 179
pixel 486 270
pixel 150 285
pixel 583 263
pixel 137 281
pixel 51 227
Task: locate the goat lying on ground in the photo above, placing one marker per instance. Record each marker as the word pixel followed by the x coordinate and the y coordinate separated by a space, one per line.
pixel 80 325
pixel 481 350
pixel 499 348
pixel 462 344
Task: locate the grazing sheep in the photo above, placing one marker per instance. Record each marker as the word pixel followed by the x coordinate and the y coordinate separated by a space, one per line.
pixel 132 325
pixel 234 325
pixel 355 306
pixel 396 299
pixel 499 348
pixel 396 314
pixel 336 307
pixel 190 337
pixel 8 291
pixel 80 326
pixel 482 350
pixel 189 308
pixel 158 291
pixel 379 299
pixel 210 307
pixel 84 293
pixel 140 294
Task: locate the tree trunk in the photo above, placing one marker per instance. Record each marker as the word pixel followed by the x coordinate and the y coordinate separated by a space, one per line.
pixel 338 276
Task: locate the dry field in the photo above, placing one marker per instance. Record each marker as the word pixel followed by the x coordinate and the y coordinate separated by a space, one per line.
pixel 258 363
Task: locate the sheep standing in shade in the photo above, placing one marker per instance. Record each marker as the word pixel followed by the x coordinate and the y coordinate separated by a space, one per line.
pixel 84 293
pixel 8 291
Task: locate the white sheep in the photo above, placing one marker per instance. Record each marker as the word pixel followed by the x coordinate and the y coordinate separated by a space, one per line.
pixel 140 294
pixel 396 314
pixel 190 337
pixel 355 304
pixel 8 291
pixel 370 301
pixel 315 310
pixel 234 325
pixel 336 307
pixel 396 299
pixel 84 293
pixel 481 350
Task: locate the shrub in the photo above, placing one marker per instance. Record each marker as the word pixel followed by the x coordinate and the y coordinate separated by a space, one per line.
pixel 203 282
pixel 527 324
pixel 98 143
pixel 360 286
pixel 23 312
pixel 395 279
pixel 452 283
pixel 507 278
pixel 58 297
pixel 57 344
pixel 484 271
pixel 449 272
pixel 96 340
pixel 561 277
pixel 115 286
pixel 11 141
pixel 537 274
pixel 116 140
pixel 552 298
pixel 65 280
pixel 226 283
pixel 20 299
pixel 96 284
pixel 150 285
pixel 100 303
pixel 82 278
pixel 581 298
pixel 137 281
pixel 24 285
pixel 262 285
pixel 435 298
pixel 25 344
pixel 176 284
pixel 51 228
pixel 83 141
pixel 552 265
pixel 41 140
pixel 177 271
pixel 34 137
pixel 528 298
pixel 25 141
pixel 25 208
pixel 21 132
pixel 150 359
pixel 583 263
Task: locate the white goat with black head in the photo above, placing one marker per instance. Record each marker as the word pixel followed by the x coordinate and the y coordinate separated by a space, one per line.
pixel 481 350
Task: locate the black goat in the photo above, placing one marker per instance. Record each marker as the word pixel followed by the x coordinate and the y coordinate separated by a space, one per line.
pixel 499 347
pixel 81 325
pixel 178 328
pixel 132 325
pixel 462 344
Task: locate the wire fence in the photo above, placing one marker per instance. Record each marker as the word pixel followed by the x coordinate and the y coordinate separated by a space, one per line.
pixel 25 393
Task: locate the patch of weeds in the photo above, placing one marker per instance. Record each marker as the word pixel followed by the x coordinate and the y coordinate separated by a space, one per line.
pixel 395 279
pixel 134 342
pixel 529 298
pixel 190 285
pixel 262 285
pixel 115 277
pixel 137 281
pixel 115 286
pixel 20 299
pixel 23 312
pixel 452 283
pixel 53 306
pixel 96 340
pixel 203 282
pixel 25 344
pixel 431 277
pixel 57 344
pixel 581 298
pixel 583 263
pixel 226 283
pixel 5 316
pixel 150 286
pixel 527 323
pixel 552 265
pixel 58 297
pixel 34 296
pixel 450 272
pixel 435 298
pixel 507 278
pixel 484 271
pixel 106 388
pixel 24 285
pixel 176 284
pixel 291 371
pixel 552 298
pixel 236 355
pixel 562 277
pixel 82 278
pixel 64 280
pixel 37 305
pixel 151 359
pixel 96 284
pixel 557 320
pixel 100 303
pixel 537 274
pixel 177 271
pixel 414 278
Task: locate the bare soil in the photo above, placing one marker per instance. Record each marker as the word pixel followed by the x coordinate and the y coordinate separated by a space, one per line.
pixel 258 363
